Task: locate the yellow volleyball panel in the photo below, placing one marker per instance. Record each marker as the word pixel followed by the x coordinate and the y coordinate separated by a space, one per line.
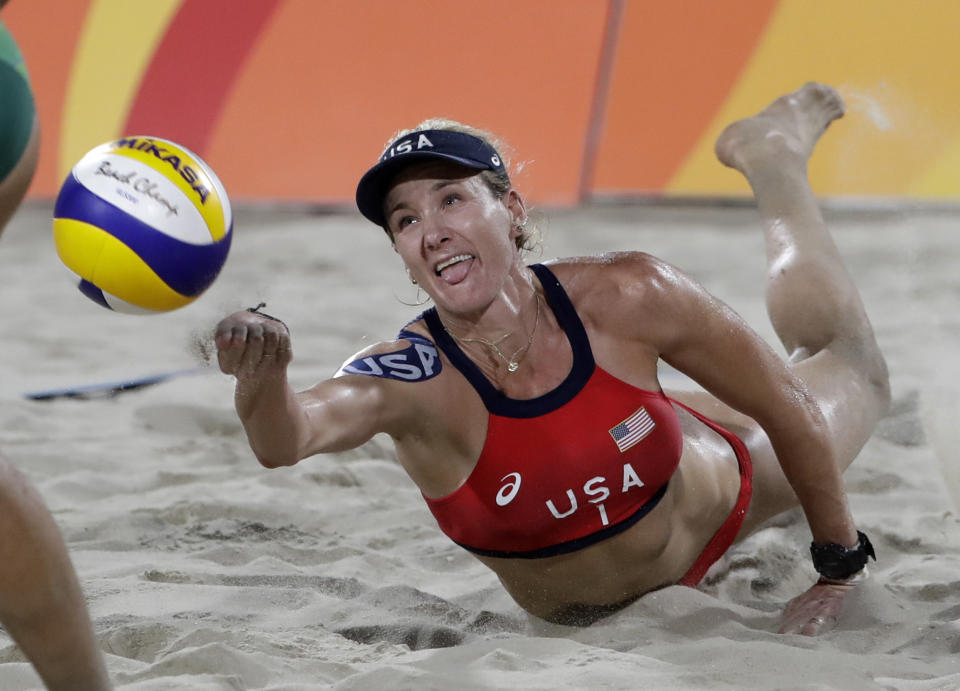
pixel 116 269
pixel 79 245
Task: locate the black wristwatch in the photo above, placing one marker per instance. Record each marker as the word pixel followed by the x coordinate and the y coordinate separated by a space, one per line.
pixel 839 563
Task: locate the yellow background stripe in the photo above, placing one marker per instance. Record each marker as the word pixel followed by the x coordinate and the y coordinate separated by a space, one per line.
pixel 889 66
pixel 116 45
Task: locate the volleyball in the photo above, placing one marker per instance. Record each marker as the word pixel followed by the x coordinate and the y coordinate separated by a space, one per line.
pixel 144 225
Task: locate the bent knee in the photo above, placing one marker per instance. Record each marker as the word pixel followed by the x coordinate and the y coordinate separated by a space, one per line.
pixel 854 390
pixel 869 367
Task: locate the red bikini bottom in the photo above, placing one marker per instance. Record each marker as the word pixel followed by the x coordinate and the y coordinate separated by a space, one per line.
pixel 724 537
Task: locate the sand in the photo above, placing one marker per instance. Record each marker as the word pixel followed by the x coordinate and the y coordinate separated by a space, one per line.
pixel 205 571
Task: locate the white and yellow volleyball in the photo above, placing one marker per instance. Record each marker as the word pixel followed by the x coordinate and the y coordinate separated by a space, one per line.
pixel 144 224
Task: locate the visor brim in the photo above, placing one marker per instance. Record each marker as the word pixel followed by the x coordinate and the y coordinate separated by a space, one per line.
pixel 375 183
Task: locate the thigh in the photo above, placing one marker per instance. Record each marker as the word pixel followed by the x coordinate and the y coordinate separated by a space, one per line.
pixel 850 402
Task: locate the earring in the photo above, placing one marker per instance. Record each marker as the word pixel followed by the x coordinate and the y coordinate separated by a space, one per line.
pixel 421 299
pixel 410 276
pixel 522 224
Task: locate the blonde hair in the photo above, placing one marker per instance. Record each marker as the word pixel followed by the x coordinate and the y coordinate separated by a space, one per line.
pixel 497 182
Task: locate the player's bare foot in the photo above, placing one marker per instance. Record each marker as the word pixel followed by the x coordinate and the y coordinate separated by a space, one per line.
pixel 788 127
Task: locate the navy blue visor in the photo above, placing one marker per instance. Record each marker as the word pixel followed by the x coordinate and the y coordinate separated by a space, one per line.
pixel 458 147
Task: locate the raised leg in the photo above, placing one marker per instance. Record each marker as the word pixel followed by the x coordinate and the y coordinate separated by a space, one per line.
pixel 814 306
pixel 41 603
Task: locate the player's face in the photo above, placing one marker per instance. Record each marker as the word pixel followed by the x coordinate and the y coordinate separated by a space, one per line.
pixel 454 235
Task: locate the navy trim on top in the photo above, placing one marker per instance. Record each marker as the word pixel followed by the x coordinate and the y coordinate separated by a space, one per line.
pixel 495 401
pixel 579 543
pixel 413 337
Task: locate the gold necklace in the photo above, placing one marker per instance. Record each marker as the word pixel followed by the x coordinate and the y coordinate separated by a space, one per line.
pixel 513 362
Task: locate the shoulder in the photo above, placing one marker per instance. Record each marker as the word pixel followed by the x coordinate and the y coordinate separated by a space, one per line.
pixel 635 295
pixel 411 357
pixel 605 279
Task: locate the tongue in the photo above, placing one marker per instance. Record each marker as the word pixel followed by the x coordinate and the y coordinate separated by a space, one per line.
pixel 456 272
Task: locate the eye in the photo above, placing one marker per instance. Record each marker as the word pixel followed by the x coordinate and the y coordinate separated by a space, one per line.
pixel 405 221
pixel 451 199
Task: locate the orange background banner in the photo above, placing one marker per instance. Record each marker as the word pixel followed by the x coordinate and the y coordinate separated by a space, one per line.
pixel 291 100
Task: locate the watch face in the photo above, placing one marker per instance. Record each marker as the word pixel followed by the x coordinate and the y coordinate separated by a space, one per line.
pixel 837 562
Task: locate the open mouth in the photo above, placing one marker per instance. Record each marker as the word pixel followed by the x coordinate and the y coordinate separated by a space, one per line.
pixel 451 262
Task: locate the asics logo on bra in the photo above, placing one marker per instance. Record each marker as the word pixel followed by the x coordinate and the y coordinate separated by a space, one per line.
pixel 509 491
pixel 595 491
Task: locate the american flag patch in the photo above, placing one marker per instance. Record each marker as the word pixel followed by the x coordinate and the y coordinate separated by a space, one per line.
pixel 633 429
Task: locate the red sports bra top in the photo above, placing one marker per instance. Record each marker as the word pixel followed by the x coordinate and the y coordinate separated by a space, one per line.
pixel 565 470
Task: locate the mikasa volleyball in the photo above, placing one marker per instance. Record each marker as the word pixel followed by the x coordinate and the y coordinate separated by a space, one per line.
pixel 144 224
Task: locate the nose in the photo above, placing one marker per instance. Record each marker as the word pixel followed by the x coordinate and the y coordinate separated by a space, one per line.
pixel 435 232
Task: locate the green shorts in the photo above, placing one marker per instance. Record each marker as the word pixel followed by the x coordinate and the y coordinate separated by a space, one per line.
pixel 17 111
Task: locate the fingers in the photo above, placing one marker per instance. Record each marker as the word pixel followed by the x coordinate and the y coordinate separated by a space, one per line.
pixel 809 624
pixel 815 611
pixel 818 624
pixel 248 344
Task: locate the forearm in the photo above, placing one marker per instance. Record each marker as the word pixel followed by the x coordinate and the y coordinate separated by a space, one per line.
pixel 273 419
pixel 808 461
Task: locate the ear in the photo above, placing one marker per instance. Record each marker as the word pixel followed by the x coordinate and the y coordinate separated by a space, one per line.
pixel 518 211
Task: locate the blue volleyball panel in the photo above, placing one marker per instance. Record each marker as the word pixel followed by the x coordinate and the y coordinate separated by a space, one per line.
pixel 92 292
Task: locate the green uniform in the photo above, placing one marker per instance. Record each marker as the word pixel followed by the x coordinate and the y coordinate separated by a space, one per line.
pixel 17 110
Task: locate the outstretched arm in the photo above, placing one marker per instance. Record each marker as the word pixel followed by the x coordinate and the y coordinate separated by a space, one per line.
pixel 283 426
pixel 256 350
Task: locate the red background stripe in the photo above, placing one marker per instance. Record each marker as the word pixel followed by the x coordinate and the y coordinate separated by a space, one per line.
pixel 194 69
pixel 676 62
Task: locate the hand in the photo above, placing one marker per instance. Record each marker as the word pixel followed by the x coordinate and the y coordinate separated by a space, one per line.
pixel 250 345
pixel 817 610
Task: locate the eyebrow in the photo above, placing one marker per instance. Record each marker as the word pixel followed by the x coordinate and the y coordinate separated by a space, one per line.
pixel 436 186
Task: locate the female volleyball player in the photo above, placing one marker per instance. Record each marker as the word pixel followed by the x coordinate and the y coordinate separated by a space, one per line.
pixel 41 603
pixel 526 404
